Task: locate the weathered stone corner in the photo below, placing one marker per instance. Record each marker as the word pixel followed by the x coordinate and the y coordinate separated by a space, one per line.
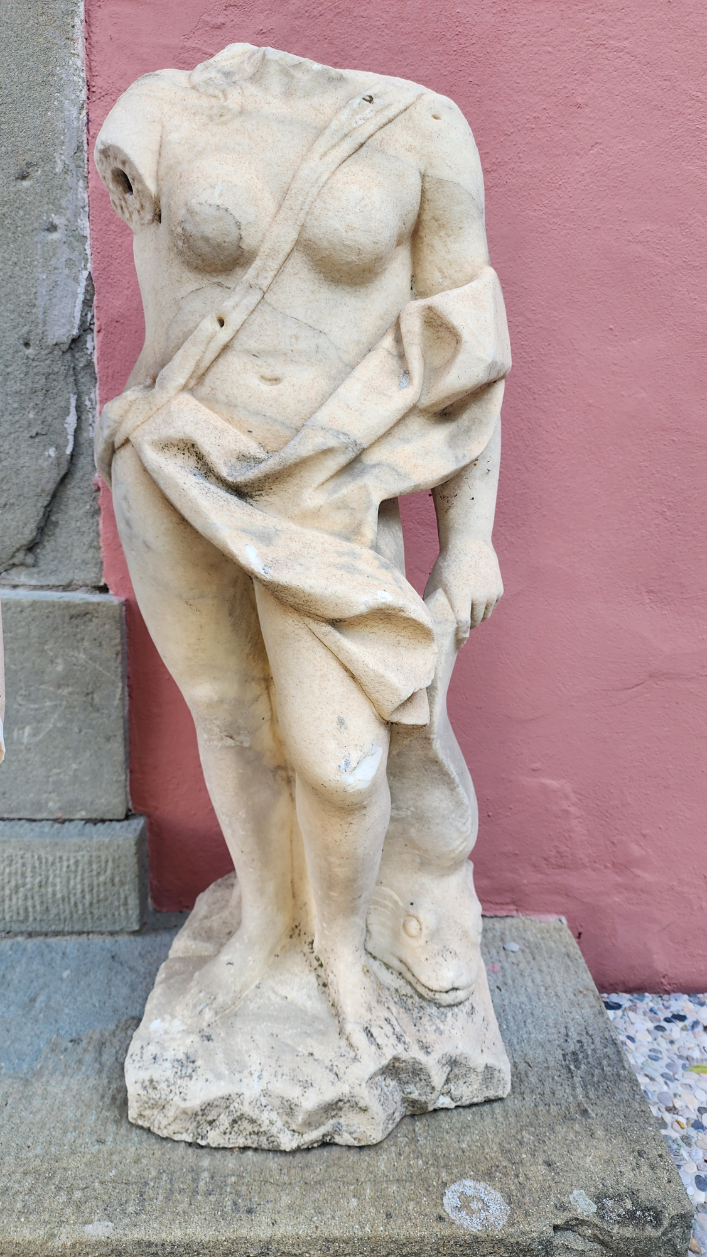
pixel 72 878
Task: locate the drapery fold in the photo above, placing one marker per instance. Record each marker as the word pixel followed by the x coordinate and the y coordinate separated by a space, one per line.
pixel 420 406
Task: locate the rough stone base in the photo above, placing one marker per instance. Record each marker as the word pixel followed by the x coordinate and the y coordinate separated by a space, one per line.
pixel 276 1072
pixel 573 1152
pixel 75 877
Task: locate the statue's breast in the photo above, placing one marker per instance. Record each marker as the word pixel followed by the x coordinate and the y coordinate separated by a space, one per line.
pixel 216 207
pixel 367 208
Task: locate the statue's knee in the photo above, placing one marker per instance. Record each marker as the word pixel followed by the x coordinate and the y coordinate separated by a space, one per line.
pixel 348 781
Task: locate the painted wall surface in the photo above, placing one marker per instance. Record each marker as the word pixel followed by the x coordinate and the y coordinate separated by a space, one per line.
pixel 582 705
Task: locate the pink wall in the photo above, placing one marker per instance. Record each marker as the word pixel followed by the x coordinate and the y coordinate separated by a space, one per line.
pixel 582 705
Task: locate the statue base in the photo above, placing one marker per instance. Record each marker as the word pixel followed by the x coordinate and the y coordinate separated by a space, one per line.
pixel 276 1072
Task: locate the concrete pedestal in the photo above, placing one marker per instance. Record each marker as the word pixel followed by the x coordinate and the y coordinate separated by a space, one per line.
pixel 570 1163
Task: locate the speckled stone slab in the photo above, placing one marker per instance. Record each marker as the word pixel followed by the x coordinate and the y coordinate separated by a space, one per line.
pixel 571 1162
pixel 277 1073
pixel 665 1038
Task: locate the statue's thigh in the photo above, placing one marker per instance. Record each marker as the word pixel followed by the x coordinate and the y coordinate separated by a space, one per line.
pixel 198 605
pixel 335 738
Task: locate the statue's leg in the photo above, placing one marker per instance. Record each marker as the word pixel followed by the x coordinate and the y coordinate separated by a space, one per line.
pixel 200 611
pixel 338 746
pixel 425 917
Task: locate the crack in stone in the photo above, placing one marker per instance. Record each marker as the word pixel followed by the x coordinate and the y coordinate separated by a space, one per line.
pixel 79 355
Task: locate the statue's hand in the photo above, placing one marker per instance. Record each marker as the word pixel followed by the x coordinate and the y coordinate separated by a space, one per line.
pixel 471 579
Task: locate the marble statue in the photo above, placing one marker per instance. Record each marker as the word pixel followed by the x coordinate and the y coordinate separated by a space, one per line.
pixel 323 334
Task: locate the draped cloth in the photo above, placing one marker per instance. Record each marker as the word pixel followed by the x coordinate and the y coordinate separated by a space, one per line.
pixel 420 405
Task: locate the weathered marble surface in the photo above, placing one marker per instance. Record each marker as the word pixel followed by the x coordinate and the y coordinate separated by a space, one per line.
pixel 324 333
pixel 276 1072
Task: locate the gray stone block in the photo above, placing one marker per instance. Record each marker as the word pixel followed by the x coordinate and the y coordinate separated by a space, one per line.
pixel 74 877
pixel 573 1153
pixel 48 509
pixel 65 720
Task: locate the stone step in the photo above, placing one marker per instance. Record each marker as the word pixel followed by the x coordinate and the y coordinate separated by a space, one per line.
pixel 73 877
pixel 571 1164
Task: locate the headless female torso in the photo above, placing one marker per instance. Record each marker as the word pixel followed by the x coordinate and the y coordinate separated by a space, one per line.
pixel 401 217
pixel 364 248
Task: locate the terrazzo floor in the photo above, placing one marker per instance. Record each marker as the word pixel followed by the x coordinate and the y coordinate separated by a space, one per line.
pixel 665 1037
